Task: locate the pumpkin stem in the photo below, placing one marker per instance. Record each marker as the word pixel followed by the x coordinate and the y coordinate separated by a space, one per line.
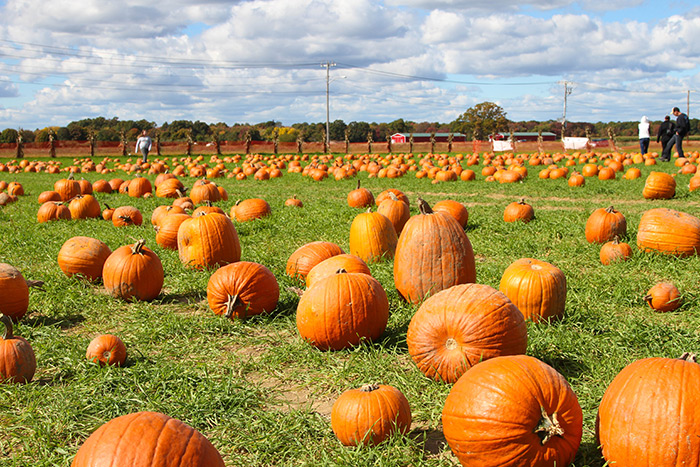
pixel 37 284
pixel 341 271
pixel 180 193
pixel 107 206
pixel 70 176
pixel 232 303
pixel 616 240
pixel 424 207
pixel 451 344
pixel 7 321
pixel 548 427
pixel 358 184
pixel 207 203
pixel 688 357
pixel 393 197
pixel 610 209
pixel 522 201
pixel 138 246
pixel 647 298
pixel 369 209
pixel 369 387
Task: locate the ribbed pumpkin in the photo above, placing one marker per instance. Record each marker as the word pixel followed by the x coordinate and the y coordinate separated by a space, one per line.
pixel 52 211
pixel 170 188
pixel 133 272
pixel 106 349
pixel 84 256
pixel 208 240
pixel 360 197
pixel 330 266
pixel 659 185
pixel 147 439
pixel 107 212
pixel 372 237
pixel 615 251
pixel 331 315
pixel 454 209
pixel 124 216
pixel 68 188
pixel 307 256
pixel 457 328
pixel 604 224
pixel 250 209
pixel 207 207
pixel 161 211
pixel 513 411
pixel 166 230
pixel 84 207
pixel 139 186
pixel 101 186
pixel 649 414
pixel 17 360
pixel 398 193
pixel 370 414
pixel 518 211
pixel 15 292
pixel 663 297
pixel 204 190
pixel 46 196
pixel 242 289
pixel 669 232
pixel 433 254
pixel 536 287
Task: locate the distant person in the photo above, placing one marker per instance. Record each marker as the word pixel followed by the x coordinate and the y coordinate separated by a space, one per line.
pixel 644 136
pixel 666 131
pixel 143 144
pixel 682 129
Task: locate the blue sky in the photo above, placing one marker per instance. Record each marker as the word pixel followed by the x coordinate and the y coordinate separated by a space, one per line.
pixel 421 60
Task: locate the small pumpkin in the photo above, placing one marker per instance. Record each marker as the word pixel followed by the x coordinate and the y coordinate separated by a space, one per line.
pixel 106 349
pixel 138 187
pixel 360 197
pixel 15 292
pixel 330 266
pixel 242 289
pixel 17 359
pixel 373 236
pixel 84 256
pixel 161 211
pixel 396 211
pixel 615 251
pixel 663 297
pixel 170 188
pixel 294 202
pixel 604 224
pixel 309 255
pixel 205 190
pixel 370 414
pixel 68 188
pixel 84 207
pixel 133 272
pixel 518 211
pixel 46 196
pixel 250 209
pixel 124 216
pixel 454 209
pixel 52 211
pixel 398 193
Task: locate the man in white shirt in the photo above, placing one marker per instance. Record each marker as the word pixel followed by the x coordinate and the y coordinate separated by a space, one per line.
pixel 143 144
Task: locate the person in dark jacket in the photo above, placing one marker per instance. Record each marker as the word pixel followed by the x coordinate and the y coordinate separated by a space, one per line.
pixel 682 129
pixel 666 131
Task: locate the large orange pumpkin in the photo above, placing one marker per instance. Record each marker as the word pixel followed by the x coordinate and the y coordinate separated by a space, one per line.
pixel 454 209
pixel 68 188
pixel 17 360
pixel 649 414
pixel 167 229
pixel 396 211
pixel 307 256
pixel 242 289
pixel 604 224
pixel 147 439
pixel 373 236
pixel 84 207
pixel 669 232
pixel 461 326
pixel 513 411
pixel 659 185
pixel 15 292
pixel 84 256
pixel 433 254
pixel 133 272
pixel 208 240
pixel 330 315
pixel 250 209
pixel 536 287
pixel 52 211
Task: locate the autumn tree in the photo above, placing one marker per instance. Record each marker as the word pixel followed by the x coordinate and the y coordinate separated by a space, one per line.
pixel 483 119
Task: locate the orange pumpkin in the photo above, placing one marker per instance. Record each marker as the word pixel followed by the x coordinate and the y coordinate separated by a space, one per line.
pixel 242 289
pixel 208 240
pixel 250 209
pixel 15 292
pixel 106 349
pixel 84 256
pixel 536 287
pixel 294 202
pixel 454 209
pixel 330 266
pixel 138 187
pixel 518 211
pixel 669 232
pixel 372 237
pixel 398 193
pixel 166 230
pixel 663 297
pixel 126 215
pixel 604 224
pixel 360 197
pixel 659 185
pixel 615 251
pixel 67 188
pixel 84 207
pixel 52 211
pixel 396 211
pixel 17 360
pixel 204 190
pixel 307 256
pixel 458 327
pixel 133 272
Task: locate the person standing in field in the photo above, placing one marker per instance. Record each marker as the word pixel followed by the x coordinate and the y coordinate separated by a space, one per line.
pixel 666 131
pixel 144 144
pixel 644 136
pixel 682 129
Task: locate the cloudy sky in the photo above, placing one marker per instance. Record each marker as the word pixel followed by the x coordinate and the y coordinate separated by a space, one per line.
pixel 421 60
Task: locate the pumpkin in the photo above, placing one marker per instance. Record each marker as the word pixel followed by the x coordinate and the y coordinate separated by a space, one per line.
pixel 15 189
pixel 204 190
pixel 17 360
pixel 52 211
pixel 67 188
pixel 518 211
pixel 15 292
pixel 398 193
pixel 115 184
pixel 370 414
pixel 101 186
pixel 46 196
pixel 604 224
pixel 330 315
pixel 106 349
pixel 396 211
pixel 649 414
pixel 433 253
pixel 659 185
pixel 84 256
pixel 133 272
pixel 207 207
pixel 107 212
pixel 161 211
pixel 147 439
pixel 330 266
pixel 139 186
pixel 250 209
pixel 458 327
pixel 513 411
pixel 84 207
pixel 454 209
pixel 372 237
pixel 663 297
pixel 208 240
pixel 307 256
pixel 576 180
pixel 85 187
pixel 294 202
pixel 166 230
pixel 185 202
pixel 536 287
pixel 615 251
pixel 669 232
pixel 170 188
pixel 242 289
pixel 126 215
pixel 360 197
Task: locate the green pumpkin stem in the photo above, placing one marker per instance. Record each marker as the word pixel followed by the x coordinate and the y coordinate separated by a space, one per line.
pixel 549 426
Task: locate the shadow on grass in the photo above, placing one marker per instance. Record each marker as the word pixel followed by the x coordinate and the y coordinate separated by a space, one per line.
pixel 568 367
pixel 184 298
pixel 432 442
pixel 36 320
pixel 589 455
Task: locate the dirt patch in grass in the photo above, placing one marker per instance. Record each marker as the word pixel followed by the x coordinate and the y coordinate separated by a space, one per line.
pixel 287 396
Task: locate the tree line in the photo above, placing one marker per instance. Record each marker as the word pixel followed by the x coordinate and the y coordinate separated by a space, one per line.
pixel 476 123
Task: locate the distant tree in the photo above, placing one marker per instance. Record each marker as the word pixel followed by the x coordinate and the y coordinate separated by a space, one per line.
pixel 28 136
pixel 400 126
pixel 77 131
pixel 107 134
pixel 62 134
pixel 357 131
pixel 485 118
pixel 8 135
pixel 337 130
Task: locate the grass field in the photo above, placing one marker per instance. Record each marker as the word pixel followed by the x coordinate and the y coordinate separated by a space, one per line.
pixel 261 394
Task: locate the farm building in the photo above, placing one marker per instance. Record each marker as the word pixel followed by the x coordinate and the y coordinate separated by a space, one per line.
pixel 425 137
pixel 524 136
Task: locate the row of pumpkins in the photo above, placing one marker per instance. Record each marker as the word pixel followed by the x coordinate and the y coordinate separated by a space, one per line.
pixel 556 423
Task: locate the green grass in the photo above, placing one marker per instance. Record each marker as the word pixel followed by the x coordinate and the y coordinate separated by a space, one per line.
pixel 261 394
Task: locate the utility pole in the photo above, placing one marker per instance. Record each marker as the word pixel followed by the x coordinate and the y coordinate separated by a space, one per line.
pixel 687 113
pixel 567 93
pixel 328 66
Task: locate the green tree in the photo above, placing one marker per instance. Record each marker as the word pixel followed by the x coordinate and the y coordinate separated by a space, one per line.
pixel 357 131
pixel 485 118
pixel 8 135
pixel 337 130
